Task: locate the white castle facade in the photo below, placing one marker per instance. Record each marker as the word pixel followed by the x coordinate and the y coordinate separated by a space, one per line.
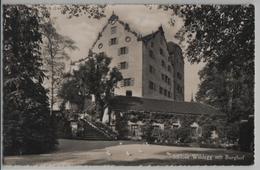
pixel 151 67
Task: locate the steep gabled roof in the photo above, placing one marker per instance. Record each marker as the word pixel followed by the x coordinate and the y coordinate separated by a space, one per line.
pixel 149 36
pixel 124 103
pixel 116 18
pixel 152 35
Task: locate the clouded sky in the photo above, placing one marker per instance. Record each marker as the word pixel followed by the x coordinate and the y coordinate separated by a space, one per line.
pixel 84 31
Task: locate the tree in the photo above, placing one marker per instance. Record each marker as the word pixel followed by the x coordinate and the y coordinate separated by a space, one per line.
pixel 54 55
pixel 27 125
pixel 223 37
pixel 70 92
pixel 94 77
pixel 92 11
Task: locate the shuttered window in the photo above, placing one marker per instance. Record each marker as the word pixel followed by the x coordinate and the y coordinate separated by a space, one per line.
pixel 113 41
pixel 123 65
pixel 122 50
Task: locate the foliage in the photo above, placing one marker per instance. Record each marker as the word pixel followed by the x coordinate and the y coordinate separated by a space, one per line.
pixel 54 53
pixel 246 135
pixel 70 92
pixel 148 130
pixel 232 132
pixel 183 134
pixel 92 11
pixel 121 125
pixel 27 126
pixel 94 77
pixel 223 37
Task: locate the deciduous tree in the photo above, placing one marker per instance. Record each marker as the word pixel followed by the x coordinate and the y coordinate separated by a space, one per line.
pixel 27 125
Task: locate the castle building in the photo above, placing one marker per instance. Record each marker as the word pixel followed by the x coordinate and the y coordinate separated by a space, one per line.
pixel 151 67
pixel 153 80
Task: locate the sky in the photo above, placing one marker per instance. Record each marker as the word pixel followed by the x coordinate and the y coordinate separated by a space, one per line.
pixel 143 20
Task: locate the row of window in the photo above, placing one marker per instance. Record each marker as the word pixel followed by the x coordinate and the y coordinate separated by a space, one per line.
pixel 151 54
pixel 165 92
pixel 114 41
pixel 166 79
pixel 163 63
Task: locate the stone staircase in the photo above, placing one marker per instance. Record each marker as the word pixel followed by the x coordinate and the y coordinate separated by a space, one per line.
pixel 96 131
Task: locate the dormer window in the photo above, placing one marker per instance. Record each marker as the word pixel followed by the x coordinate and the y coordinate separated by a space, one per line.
pixel 113 30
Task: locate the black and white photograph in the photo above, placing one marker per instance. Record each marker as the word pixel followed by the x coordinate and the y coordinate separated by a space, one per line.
pixel 93 84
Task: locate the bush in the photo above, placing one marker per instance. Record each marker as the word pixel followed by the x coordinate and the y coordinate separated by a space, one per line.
pixel 183 134
pixel 147 132
pixel 121 126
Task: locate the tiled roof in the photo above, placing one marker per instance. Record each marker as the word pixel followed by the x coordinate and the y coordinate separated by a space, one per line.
pixel 124 103
pixel 149 36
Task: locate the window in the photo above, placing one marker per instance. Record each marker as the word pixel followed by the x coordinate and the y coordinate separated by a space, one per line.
pixel 123 65
pixel 161 51
pixel 169 94
pixel 179 88
pixel 179 75
pixel 151 54
pixel 128 82
pixel 151 69
pixel 161 90
pixel 127 39
pixel 100 46
pixel 152 85
pixel 163 77
pixel 128 93
pixel 165 92
pixel 113 41
pixel 163 63
pixel 123 50
pixel 169 68
pixel 152 44
pixel 113 30
pixel 102 53
pixel 167 80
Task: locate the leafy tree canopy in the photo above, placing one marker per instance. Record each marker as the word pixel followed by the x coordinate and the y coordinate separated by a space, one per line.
pixel 223 37
pixel 94 77
pixel 28 126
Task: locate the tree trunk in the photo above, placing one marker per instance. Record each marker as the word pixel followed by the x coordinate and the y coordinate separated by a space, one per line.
pixel 52 84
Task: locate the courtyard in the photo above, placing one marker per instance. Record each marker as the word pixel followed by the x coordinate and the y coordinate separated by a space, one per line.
pixel 82 152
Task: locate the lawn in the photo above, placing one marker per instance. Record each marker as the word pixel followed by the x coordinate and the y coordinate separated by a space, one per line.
pixel 82 152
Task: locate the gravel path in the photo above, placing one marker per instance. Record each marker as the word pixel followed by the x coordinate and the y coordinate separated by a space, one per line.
pixel 81 152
